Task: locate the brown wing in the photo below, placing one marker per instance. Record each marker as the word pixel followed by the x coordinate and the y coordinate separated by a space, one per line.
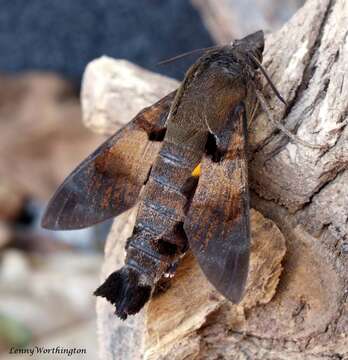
pixel 217 223
pixel 108 182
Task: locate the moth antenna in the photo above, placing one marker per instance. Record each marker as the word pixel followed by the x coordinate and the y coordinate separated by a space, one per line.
pixel 180 56
pixel 251 117
pixel 270 82
pixel 266 108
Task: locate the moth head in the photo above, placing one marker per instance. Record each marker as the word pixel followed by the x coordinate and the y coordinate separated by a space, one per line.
pixel 250 48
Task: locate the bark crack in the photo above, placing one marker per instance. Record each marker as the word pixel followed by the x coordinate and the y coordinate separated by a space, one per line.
pixel 308 73
pixel 329 180
pixel 312 60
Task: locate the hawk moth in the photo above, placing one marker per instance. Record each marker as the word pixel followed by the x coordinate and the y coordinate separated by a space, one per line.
pixel 184 161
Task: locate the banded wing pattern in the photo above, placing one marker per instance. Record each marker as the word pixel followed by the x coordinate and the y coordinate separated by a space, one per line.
pixel 217 223
pixel 108 182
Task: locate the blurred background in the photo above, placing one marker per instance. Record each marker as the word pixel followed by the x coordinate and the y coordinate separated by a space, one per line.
pixel 47 278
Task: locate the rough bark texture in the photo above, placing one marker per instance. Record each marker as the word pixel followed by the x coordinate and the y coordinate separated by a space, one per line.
pixel 296 306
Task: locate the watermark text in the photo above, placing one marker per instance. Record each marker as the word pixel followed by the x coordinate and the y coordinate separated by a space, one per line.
pixel 56 350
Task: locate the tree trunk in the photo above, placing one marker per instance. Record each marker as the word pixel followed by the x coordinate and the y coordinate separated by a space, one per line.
pixel 296 301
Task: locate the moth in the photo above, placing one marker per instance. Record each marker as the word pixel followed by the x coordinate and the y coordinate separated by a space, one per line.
pixel 184 161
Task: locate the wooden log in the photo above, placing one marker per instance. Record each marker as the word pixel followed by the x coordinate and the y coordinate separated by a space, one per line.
pixel 296 302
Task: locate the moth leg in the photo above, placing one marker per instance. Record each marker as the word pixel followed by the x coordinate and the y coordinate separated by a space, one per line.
pixel 252 116
pixel 164 283
pixel 266 108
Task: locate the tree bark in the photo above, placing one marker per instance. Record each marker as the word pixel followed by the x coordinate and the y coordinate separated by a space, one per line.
pixel 296 301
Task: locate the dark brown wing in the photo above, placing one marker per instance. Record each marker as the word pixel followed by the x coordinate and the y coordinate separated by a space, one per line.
pixel 217 223
pixel 108 182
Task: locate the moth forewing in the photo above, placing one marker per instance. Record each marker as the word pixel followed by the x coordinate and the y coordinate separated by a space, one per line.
pixel 108 181
pixel 217 223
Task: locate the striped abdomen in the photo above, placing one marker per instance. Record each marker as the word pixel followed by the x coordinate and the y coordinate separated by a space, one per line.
pixel 158 239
